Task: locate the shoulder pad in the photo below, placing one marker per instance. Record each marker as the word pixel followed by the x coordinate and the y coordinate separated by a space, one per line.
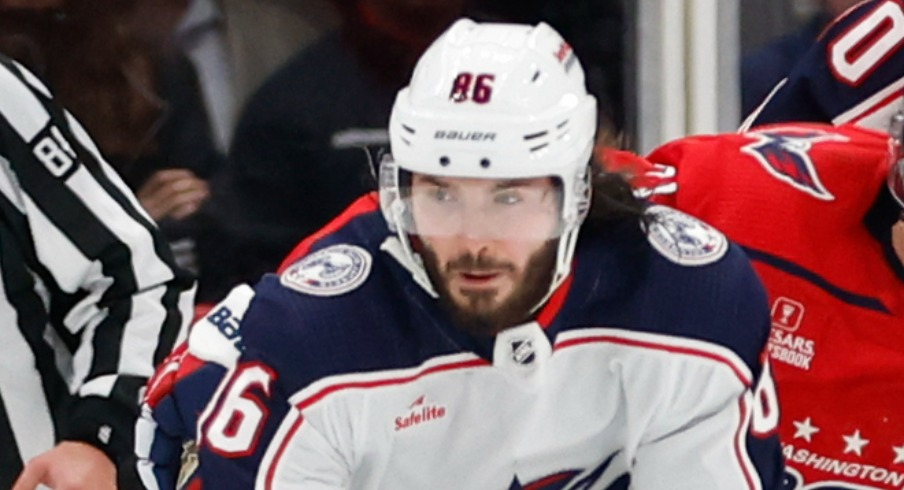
pixel 216 337
pixel 684 239
pixel 331 271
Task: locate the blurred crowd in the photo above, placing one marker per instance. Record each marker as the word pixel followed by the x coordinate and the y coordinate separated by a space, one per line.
pixel 244 126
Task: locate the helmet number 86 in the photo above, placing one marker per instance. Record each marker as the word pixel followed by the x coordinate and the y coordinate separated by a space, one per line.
pixel 467 86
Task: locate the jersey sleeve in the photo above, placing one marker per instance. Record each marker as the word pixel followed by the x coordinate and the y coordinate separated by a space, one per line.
pixel 734 436
pixel 250 403
pixel 180 390
pixel 714 413
pixel 854 73
pixel 305 454
pixel 115 290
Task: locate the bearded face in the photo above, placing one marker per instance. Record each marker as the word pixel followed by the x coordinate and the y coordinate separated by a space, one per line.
pixel 489 246
pixel 487 294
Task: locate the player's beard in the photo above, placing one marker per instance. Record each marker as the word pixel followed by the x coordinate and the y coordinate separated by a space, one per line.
pixel 479 317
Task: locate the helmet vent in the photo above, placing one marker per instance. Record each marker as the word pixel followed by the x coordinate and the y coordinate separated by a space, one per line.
pixel 409 129
pixel 405 140
pixel 485 162
pixel 565 131
pixel 539 147
pixel 535 77
pixel 444 161
pixel 528 137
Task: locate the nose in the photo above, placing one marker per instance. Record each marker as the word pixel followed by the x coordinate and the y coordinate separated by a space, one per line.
pixel 477 225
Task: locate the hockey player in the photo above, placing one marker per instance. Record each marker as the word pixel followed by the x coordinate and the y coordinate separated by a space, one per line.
pixel 810 205
pixel 179 390
pixel 854 74
pixel 460 334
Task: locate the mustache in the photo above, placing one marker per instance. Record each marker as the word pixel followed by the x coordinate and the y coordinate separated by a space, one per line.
pixel 477 263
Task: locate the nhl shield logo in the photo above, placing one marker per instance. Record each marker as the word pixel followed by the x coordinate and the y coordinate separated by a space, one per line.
pixel 684 239
pixel 329 272
pixel 523 351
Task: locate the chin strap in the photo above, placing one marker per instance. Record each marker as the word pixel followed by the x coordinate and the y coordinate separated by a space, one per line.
pixel 411 262
pixel 564 255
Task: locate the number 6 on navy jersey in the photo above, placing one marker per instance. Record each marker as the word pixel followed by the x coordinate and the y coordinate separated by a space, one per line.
pixel 236 424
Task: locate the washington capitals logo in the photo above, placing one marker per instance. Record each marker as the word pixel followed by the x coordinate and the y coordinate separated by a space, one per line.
pixel 786 155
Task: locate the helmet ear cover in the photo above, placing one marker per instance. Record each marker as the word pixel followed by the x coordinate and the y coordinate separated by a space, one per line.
pixel 499 101
pixel 896 157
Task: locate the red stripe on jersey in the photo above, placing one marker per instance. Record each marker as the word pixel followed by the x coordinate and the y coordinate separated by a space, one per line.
pixel 675 349
pixel 470 363
pixel 268 484
pixel 554 305
pixel 739 445
pixel 874 108
pixel 548 481
pixel 363 205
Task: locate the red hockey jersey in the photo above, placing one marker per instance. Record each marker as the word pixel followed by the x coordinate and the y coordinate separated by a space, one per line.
pixel 795 197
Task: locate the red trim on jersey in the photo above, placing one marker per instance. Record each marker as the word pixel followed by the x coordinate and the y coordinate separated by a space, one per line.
pixel 875 107
pixel 222 399
pixel 868 41
pixel 554 305
pixel 675 349
pixel 363 205
pixel 837 20
pixel 739 451
pixel 547 481
pixel 268 483
pixel 471 363
pixel 863 45
pixel 688 351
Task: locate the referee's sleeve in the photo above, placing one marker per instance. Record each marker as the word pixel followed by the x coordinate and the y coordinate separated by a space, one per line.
pixel 119 291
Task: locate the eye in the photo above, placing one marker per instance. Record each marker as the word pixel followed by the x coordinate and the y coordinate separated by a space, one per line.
pixel 508 197
pixel 441 194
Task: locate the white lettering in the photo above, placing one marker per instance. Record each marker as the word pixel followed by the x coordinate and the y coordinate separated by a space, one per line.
pixel 857 53
pixel 790 356
pixel 860 471
pixel 55 158
pixel 814 460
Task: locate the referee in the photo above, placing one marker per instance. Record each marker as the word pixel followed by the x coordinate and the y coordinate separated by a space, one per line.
pixel 90 299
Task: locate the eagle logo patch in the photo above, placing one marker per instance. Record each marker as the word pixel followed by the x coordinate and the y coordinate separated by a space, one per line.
pixel 683 239
pixel 331 271
pixel 785 155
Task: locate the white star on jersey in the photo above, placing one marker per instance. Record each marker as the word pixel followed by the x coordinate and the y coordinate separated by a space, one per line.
pixel 899 454
pixel 854 443
pixel 805 429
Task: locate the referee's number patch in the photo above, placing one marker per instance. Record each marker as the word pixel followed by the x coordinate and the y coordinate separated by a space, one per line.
pixel 52 149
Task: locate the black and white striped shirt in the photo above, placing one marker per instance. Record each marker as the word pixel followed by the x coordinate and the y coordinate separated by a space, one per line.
pixel 90 298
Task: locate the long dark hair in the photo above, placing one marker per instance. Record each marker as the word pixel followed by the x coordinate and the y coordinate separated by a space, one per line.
pixel 613 200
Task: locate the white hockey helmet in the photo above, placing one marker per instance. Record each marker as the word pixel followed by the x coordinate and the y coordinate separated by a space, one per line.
pixel 502 101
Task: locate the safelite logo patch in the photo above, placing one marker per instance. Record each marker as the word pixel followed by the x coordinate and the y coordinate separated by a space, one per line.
pixel 419 412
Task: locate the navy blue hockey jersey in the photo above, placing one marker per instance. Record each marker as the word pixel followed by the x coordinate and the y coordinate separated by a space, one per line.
pixel 853 74
pixel 643 369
